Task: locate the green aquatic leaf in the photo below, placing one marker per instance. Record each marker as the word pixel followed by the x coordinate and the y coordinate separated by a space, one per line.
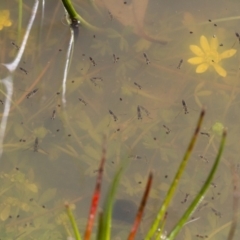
pixel 48 195
pixel 201 193
pixel 40 132
pixel 160 216
pixel 32 187
pixel 95 136
pixel 142 45
pixel 104 47
pixel 217 128
pixel 126 90
pixel 108 206
pixel 5 212
pixel 25 207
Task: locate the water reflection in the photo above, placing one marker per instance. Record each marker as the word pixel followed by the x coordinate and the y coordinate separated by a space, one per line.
pixel 132 83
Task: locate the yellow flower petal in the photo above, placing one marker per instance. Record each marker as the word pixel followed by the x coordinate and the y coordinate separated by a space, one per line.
pixel 8 23
pixel 196 50
pixel 214 43
pixel 195 60
pixel 202 68
pixel 204 44
pixel 228 53
pixel 221 71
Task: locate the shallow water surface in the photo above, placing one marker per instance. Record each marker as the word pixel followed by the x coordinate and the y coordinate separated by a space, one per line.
pixel 132 82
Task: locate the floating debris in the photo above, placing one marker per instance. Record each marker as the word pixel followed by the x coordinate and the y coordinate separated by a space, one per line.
pixel 217 213
pixel 53 114
pixel 145 110
pixel 205 133
pixel 180 64
pixel 95 79
pixel 167 129
pixel 185 107
pixel 139 112
pixel 32 93
pixel 203 158
pixel 15 45
pixel 92 61
pixel 114 116
pixel 110 15
pixel 83 101
pixel 186 198
pixel 146 57
pixel 24 70
pixel 115 59
pixel 35 146
pixel 202 236
pixel 238 36
pixel 200 207
pixel 136 84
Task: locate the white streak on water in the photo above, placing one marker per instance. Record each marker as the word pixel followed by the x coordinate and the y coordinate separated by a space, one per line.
pixel 67 65
pixel 8 81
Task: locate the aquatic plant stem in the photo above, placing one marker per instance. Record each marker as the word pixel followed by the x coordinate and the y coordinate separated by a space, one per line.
pixel 73 222
pixel 175 182
pixel 75 16
pixel 107 212
pixel 201 193
pixel 96 196
pixel 141 208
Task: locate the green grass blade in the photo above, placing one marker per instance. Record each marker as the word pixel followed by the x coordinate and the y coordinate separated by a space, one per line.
pixel 100 226
pixel 201 193
pixel 73 222
pixel 107 210
pixel 175 182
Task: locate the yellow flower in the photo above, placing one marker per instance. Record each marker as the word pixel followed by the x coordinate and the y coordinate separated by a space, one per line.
pixel 4 19
pixel 208 55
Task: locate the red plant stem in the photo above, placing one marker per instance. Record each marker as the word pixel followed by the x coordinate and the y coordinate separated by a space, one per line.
pixel 96 196
pixel 141 208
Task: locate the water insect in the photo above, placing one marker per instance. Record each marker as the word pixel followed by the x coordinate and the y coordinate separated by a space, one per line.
pixel 32 93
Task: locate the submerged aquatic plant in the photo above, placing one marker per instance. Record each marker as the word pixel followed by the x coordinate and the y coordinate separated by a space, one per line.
pixel 4 19
pixel 208 55
pixel 156 230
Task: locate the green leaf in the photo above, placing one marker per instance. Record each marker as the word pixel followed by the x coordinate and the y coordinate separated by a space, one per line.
pixel 201 193
pixel 92 152
pixel 142 45
pixel 5 212
pixel 175 182
pixel 48 195
pixel 107 211
pixel 32 187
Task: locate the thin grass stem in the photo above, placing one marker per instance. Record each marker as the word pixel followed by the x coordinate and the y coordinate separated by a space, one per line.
pixel 201 193
pixel 175 182
pixel 73 222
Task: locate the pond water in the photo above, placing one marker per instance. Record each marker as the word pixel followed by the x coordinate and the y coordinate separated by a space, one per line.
pixel 130 80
